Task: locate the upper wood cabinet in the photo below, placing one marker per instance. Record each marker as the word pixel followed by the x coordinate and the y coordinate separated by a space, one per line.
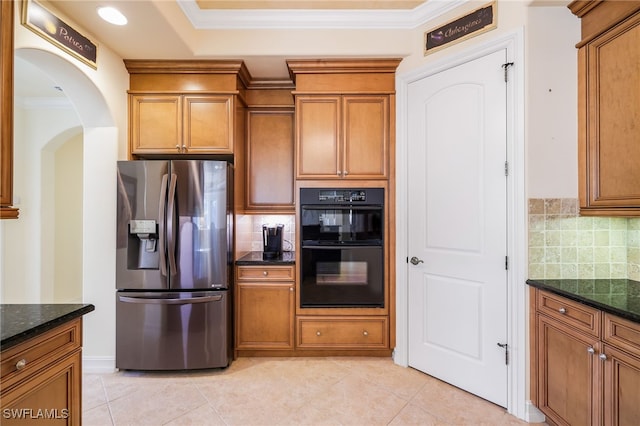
pixel 6 111
pixel 608 107
pixel 181 124
pixel 342 137
pixel 345 118
pixel 185 107
pixel 270 182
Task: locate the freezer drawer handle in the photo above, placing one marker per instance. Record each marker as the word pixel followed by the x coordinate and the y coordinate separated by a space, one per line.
pixel 156 301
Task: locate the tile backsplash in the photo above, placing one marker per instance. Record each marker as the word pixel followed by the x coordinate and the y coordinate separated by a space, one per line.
pixel 249 232
pixel 563 244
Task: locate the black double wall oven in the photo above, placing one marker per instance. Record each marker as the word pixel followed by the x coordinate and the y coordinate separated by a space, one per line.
pixel 342 247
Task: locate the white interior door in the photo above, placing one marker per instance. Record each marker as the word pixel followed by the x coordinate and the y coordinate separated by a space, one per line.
pixel 457 202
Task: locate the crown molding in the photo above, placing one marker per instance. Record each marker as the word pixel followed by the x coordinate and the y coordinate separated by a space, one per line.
pixel 211 19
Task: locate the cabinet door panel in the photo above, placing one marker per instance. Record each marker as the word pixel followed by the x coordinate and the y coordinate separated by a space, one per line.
pixel 264 316
pixel 613 117
pixel 270 149
pixel 621 385
pixel 155 123
pixel 366 134
pixel 208 124
pixel 568 374
pixel 318 136
pixel 56 391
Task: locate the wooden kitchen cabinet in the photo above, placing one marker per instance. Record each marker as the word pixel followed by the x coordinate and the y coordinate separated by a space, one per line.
pixel 270 161
pixel 342 137
pixel 608 107
pixel 43 377
pixel 587 364
pixel 568 373
pixel 181 124
pixel 265 307
pixel 186 107
pixel 345 118
pixel 621 374
pixel 342 332
pixel 6 111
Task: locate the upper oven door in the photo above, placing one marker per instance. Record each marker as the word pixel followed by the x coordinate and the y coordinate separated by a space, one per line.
pixel 343 225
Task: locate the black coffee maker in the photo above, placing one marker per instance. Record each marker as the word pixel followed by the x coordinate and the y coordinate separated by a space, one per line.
pixel 272 239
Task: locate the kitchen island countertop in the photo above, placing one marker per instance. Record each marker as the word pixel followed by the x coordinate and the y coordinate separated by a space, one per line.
pixel 255 258
pixel 620 297
pixel 20 322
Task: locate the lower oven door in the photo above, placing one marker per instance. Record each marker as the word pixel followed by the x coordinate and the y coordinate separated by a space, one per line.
pixel 342 276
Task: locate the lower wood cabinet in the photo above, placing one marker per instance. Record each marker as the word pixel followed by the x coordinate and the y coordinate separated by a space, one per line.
pixel 342 332
pixel 265 310
pixel 42 378
pixel 587 364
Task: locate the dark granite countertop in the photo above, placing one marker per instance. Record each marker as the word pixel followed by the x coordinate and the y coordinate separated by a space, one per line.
pixel 255 258
pixel 20 322
pixel 617 296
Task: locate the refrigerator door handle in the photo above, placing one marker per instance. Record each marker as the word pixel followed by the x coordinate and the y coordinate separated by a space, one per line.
pixel 162 228
pixel 157 301
pixel 171 249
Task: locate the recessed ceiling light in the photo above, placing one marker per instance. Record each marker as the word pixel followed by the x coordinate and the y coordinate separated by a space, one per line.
pixel 112 15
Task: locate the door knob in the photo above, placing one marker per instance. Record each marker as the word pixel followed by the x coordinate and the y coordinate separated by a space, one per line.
pixel 414 260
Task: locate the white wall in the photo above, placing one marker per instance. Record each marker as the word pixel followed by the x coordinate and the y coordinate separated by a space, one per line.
pixel 28 272
pixel 552 150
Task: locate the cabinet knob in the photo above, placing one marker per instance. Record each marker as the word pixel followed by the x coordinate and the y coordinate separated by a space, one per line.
pixel 21 364
pixel 265 273
pixel 290 288
pixel 562 310
pixel 178 148
pixel 603 357
pixel 591 350
pixel 365 333
pixel 345 173
pixel 339 173
pixel 184 148
pixel 318 333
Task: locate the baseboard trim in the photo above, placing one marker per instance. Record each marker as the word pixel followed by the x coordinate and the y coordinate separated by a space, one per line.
pixel 533 414
pixel 98 364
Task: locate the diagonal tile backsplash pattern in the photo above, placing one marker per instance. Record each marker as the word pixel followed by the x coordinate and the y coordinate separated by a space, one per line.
pixel 563 244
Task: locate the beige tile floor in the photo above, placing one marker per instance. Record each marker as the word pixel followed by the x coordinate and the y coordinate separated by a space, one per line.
pixel 285 391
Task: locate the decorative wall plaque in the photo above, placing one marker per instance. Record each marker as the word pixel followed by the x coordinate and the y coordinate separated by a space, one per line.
pixel 477 22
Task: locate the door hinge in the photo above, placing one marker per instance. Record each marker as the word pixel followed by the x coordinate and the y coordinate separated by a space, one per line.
pixel 506 168
pixel 505 346
pixel 505 67
pixel 506 263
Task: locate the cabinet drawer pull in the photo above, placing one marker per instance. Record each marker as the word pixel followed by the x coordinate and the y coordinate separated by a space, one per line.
pixel 365 333
pixel 562 310
pixel 21 364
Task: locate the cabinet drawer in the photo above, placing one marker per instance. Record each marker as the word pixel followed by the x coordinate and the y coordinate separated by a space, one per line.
pixel 266 273
pixel 622 333
pixel 348 333
pixel 25 358
pixel 569 312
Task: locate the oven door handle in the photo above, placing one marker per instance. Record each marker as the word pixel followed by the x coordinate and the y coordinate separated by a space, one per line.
pixel 340 207
pixel 340 246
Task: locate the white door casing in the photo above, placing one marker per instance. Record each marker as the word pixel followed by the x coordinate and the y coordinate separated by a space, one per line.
pixel 517 304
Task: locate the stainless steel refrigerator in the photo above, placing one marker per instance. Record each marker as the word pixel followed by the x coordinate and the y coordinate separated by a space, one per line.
pixel 174 264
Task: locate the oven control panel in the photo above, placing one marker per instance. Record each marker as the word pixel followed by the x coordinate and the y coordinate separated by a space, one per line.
pixel 341 196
